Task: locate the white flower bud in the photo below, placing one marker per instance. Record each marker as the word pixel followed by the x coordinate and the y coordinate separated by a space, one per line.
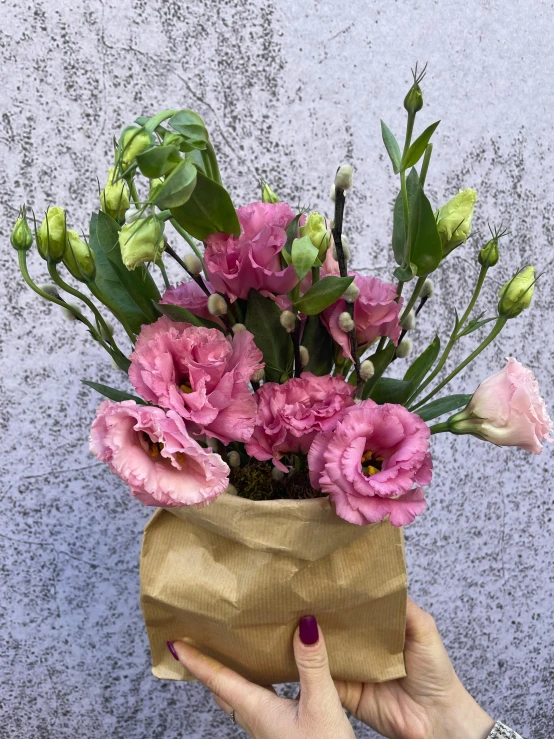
pixel 343 178
pixel 332 224
pixel 212 443
pixel 404 349
pixel 231 490
pixel 345 250
pixel 351 293
pixel 428 289
pixel 192 264
pixel 69 315
pixel 346 323
pixel 115 365
pixel 304 356
pixel 50 289
pixel 258 375
pixel 367 369
pixel 238 327
pixel 277 474
pixel 133 214
pixel 109 333
pixel 333 194
pixel 288 320
pixel 217 305
pixel 233 458
pixel 409 321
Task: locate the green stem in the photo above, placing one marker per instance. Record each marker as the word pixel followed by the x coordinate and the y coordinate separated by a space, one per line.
pixel 404 190
pixel 180 230
pixel 454 336
pixel 315 275
pixel 134 193
pixel 95 290
pixel 415 295
pixel 425 165
pixel 498 326
pixel 161 265
pixel 439 428
pixel 155 121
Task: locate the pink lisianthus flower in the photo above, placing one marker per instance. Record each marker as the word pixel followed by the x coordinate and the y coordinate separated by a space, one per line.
pixel 291 414
pixel 190 296
pixel 376 313
pixel 507 409
pixel 252 260
pixel 152 452
pixel 370 463
pixel 200 374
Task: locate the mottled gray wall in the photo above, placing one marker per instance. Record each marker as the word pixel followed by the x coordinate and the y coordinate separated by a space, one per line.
pixel 289 90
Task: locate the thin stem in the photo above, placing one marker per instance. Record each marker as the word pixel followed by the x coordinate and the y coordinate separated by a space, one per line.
pixel 425 164
pixel 404 191
pixel 134 192
pixel 315 275
pixel 498 326
pixel 295 336
pixel 199 281
pixel 180 230
pixel 439 428
pixel 415 295
pixel 161 265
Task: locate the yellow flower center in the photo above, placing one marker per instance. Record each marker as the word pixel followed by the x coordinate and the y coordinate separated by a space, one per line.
pixel 185 388
pixel 152 447
pixel 371 464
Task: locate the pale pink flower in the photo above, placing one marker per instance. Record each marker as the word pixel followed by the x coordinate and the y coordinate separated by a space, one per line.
pixel 291 414
pixel 507 409
pixel 152 452
pixel 200 374
pixel 370 463
pixel 235 265
pixel 376 313
pixel 190 296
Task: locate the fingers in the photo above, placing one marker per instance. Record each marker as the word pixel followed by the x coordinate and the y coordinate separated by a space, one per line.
pixel 420 625
pixel 310 654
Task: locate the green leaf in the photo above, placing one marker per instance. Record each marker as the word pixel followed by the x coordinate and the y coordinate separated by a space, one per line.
pixel 425 241
pixel 209 210
pixel 178 186
pixel 322 294
pixel 405 274
pixel 191 125
pixel 417 149
pixel 303 254
pixel 391 145
pixel 158 160
pixel 389 390
pixel 474 325
pixel 178 313
pixel 444 405
pixel 420 367
pixel 319 344
pixel 398 228
pixel 262 320
pixel 112 393
pixel 380 361
pixel 292 234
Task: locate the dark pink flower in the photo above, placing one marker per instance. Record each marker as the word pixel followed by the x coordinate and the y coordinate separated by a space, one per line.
pixel 370 463
pixel 152 452
pixel 252 260
pixel 190 296
pixel 200 374
pixel 291 414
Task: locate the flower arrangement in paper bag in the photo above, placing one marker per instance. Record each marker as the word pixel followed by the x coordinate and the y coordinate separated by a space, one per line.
pixel 272 370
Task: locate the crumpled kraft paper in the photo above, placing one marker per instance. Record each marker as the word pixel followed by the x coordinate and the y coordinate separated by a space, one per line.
pixel 235 577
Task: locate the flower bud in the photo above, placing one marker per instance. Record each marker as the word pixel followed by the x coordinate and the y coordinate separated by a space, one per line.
pixel 51 236
pixel 22 236
pixel 277 474
pixel 268 196
pixel 304 356
pixel 133 141
pixel 454 219
pixel 343 177
pixel 50 289
pixel 192 264
pixel 413 102
pixel 107 331
pixel 114 198
pixel 287 320
pixel 238 327
pixel 141 241
pixel 233 459
pixel 231 490
pixel 517 293
pixel 258 375
pixel 409 321
pixel 69 312
pixel 404 349
pixel 212 443
pixel 346 323
pixel 351 293
pixel 133 214
pixel 333 193
pixel 428 289
pixel 345 250
pixel 316 228
pixel 367 369
pixel 488 256
pixel 78 258
pixel 217 305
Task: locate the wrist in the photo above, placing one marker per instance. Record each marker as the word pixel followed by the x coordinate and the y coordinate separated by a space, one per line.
pixel 464 719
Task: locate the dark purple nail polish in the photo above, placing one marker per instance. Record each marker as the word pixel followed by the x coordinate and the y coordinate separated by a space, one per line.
pixel 309 633
pixel 172 650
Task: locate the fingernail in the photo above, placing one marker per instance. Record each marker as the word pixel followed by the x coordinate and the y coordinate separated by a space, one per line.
pixel 172 650
pixel 309 633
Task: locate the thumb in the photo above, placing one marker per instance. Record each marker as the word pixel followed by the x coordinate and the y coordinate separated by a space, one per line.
pixel 310 654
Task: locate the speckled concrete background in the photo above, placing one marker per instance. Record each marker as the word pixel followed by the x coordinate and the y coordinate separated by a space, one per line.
pixel 289 90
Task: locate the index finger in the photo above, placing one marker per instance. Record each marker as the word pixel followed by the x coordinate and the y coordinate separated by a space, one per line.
pixel 245 697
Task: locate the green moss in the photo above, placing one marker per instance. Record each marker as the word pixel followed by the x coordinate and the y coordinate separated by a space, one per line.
pixel 254 481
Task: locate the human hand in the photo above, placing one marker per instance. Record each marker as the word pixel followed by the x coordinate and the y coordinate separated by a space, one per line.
pixel 429 703
pixel 317 714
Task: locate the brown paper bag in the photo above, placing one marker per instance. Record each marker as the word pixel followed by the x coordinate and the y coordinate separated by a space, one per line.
pixel 236 576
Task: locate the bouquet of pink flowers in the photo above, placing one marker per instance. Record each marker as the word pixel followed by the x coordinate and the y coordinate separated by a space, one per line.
pixel 266 373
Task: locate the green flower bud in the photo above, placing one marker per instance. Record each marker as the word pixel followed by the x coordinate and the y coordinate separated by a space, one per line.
pixel 133 141
pixel 454 219
pixel 316 228
pixel 268 196
pixel 517 293
pixel 51 236
pixel 141 241
pixel 413 102
pixel 114 198
pixel 78 258
pixel 488 256
pixel 22 236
